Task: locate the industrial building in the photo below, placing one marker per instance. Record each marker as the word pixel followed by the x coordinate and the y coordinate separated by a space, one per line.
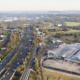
pixel 57 42
pixel 70 52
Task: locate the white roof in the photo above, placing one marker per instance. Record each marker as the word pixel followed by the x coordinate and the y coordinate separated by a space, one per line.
pixel 57 40
pixel 38 33
pixel 59 54
pixel 69 52
pixel 37 29
pixel 55 51
pixel 70 46
pixel 59 25
pixel 77 55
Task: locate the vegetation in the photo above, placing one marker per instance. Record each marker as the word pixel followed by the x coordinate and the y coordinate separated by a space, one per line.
pixel 0 43
pixel 72 24
pixel 35 73
pixel 13 39
pixel 21 67
pixel 71 37
pixel 47 75
pixel 36 65
pixel 32 76
pixel 8 64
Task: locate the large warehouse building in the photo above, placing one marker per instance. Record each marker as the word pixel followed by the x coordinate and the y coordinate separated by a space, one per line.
pixel 69 52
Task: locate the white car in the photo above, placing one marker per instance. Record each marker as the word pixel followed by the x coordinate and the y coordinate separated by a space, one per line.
pixel 20 53
pixel 22 59
pixel 3 75
pixel 18 63
pixel 14 69
pixel 7 73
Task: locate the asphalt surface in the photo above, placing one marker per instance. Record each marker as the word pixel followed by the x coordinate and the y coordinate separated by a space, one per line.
pixel 12 52
pixel 20 55
pixel 29 64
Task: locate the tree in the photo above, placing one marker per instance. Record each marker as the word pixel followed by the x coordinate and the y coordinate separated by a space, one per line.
pixel 76 35
pixel 36 65
pixel 18 69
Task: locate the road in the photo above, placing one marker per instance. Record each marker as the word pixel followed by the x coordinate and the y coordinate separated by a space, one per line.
pixel 20 55
pixel 12 52
pixel 29 64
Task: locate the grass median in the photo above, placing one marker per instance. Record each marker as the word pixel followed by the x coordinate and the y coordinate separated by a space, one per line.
pixel 8 64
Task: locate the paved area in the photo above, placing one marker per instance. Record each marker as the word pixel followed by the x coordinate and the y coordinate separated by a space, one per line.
pixel 19 58
pixel 29 64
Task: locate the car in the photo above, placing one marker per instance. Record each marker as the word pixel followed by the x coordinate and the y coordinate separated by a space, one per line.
pixel 30 40
pixel 9 54
pixel 14 69
pixel 18 63
pixel 7 73
pixel 22 59
pixel 3 75
pixel 21 53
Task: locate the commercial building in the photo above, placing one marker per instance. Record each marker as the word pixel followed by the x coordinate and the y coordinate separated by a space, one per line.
pixel 57 42
pixel 70 52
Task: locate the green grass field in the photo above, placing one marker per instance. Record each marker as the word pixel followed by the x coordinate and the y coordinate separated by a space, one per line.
pixel 72 23
pixel 51 26
pixel 46 75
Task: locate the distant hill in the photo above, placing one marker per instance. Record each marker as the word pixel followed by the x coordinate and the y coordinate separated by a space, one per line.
pixel 65 12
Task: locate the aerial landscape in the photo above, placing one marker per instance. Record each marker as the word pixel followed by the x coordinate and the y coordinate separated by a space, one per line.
pixel 39 40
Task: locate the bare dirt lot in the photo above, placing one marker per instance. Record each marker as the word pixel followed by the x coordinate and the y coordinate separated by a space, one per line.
pixel 42 50
pixel 69 66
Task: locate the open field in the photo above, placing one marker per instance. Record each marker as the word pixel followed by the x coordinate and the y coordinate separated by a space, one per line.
pixel 51 26
pixel 70 31
pixel 72 23
pixel 47 75
pixel 60 64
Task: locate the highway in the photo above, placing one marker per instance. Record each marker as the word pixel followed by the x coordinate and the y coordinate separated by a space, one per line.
pixel 29 64
pixel 12 52
pixel 20 55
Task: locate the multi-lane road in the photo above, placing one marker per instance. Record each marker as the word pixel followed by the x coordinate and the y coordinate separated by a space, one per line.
pixel 12 52
pixel 20 55
pixel 29 64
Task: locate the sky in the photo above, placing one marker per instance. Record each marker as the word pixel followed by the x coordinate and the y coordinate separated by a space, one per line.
pixel 39 5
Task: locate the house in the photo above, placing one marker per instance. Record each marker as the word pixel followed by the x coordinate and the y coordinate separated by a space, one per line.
pixel 37 29
pixel 57 42
pixel 13 29
pixel 3 48
pixel 39 32
pixel 1 40
pixel 59 25
pixel 7 29
pixel 2 36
